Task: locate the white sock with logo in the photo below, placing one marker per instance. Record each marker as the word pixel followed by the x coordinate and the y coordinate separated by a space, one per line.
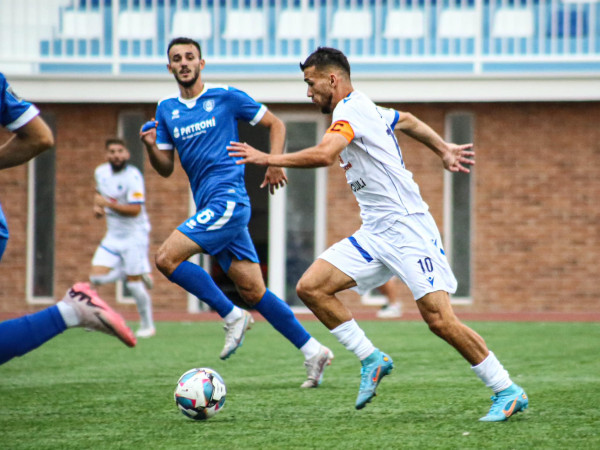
pixel 354 339
pixel 492 373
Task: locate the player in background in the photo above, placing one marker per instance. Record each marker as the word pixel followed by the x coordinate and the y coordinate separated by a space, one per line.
pixel 200 121
pixel 398 235
pixel 81 307
pixel 123 252
pixel 392 309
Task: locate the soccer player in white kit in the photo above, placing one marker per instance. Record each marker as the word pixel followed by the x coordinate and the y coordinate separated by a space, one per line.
pixel 81 306
pixel 398 235
pixel 123 252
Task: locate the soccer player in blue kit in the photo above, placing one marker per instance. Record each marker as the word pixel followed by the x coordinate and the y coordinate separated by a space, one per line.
pixel 81 307
pixel 200 122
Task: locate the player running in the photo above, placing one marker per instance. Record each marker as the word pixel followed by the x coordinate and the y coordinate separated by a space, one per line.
pixel 200 122
pixel 123 253
pixel 81 306
pixel 398 235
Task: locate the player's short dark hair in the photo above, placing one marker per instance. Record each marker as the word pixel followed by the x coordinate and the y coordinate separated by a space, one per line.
pixel 324 57
pixel 111 141
pixel 184 41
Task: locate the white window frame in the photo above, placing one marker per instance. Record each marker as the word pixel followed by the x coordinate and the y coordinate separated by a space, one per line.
pixel 30 298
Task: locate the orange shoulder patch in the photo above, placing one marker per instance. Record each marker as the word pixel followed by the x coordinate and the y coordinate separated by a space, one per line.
pixel 342 127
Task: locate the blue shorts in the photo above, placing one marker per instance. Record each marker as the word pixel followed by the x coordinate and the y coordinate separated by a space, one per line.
pixel 221 229
pixel 3 233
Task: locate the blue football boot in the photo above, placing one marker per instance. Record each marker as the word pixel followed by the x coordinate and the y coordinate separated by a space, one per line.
pixel 376 366
pixel 506 403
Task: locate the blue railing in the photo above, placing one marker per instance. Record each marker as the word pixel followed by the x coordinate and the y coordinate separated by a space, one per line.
pixel 272 36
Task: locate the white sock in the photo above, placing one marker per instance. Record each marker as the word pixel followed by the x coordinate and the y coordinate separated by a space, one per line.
pixel 311 348
pixel 492 373
pixel 68 314
pixel 234 315
pixel 143 302
pixel 353 338
pixel 110 277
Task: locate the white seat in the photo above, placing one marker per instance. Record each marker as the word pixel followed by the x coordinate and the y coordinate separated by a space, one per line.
pixel 192 24
pixel 136 25
pixel 297 24
pixel 457 23
pixel 245 25
pixel 81 25
pixel 513 23
pixel 351 24
pixel 404 24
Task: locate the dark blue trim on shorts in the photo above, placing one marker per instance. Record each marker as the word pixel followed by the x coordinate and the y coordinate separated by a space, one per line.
pixel 362 251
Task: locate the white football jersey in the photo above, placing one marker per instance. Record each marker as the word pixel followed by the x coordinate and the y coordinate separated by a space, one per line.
pixel 124 187
pixel 373 162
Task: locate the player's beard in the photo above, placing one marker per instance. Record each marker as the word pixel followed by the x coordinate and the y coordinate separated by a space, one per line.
pixel 326 107
pixel 190 83
pixel 117 167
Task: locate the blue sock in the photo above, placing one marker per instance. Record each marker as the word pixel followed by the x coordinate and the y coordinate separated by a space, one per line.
pixel 197 281
pixel 281 317
pixel 23 334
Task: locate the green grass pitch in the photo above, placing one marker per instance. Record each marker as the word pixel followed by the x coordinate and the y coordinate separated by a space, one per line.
pixel 85 390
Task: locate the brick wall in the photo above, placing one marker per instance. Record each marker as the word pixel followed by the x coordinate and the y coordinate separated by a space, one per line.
pixel 536 209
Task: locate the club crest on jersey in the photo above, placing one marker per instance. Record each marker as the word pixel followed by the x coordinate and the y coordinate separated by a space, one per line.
pixel 175 114
pixel 208 105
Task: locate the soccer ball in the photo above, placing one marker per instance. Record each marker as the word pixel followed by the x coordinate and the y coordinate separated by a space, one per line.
pixel 200 393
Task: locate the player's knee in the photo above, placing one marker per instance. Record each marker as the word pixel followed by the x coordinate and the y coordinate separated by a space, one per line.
pixel 306 289
pixel 443 327
pixel 165 262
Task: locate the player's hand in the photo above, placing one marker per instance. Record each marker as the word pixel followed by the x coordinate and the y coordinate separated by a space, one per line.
pixel 458 157
pixel 148 132
pixel 248 154
pixel 274 178
pixel 98 212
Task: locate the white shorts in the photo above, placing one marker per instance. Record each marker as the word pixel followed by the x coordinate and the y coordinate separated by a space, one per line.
pixel 411 249
pixel 130 254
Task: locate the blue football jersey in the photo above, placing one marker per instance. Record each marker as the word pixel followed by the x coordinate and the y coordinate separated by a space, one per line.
pixel 201 129
pixel 14 112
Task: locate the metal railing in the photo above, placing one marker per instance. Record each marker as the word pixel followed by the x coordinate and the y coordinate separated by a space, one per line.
pixel 125 36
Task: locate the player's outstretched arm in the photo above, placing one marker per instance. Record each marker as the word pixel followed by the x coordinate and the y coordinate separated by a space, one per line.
pixel 29 141
pixel 455 158
pixel 163 161
pixel 321 155
pixel 275 177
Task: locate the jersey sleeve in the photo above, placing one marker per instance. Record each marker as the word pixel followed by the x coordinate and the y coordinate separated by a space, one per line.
pixel 14 112
pixel 136 193
pixel 390 115
pixel 245 107
pixel 163 138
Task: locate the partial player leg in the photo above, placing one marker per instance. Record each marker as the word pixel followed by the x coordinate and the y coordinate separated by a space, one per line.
pixel 508 397
pixel 249 282
pixel 80 307
pixel 171 260
pixel 144 306
pixel 317 289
